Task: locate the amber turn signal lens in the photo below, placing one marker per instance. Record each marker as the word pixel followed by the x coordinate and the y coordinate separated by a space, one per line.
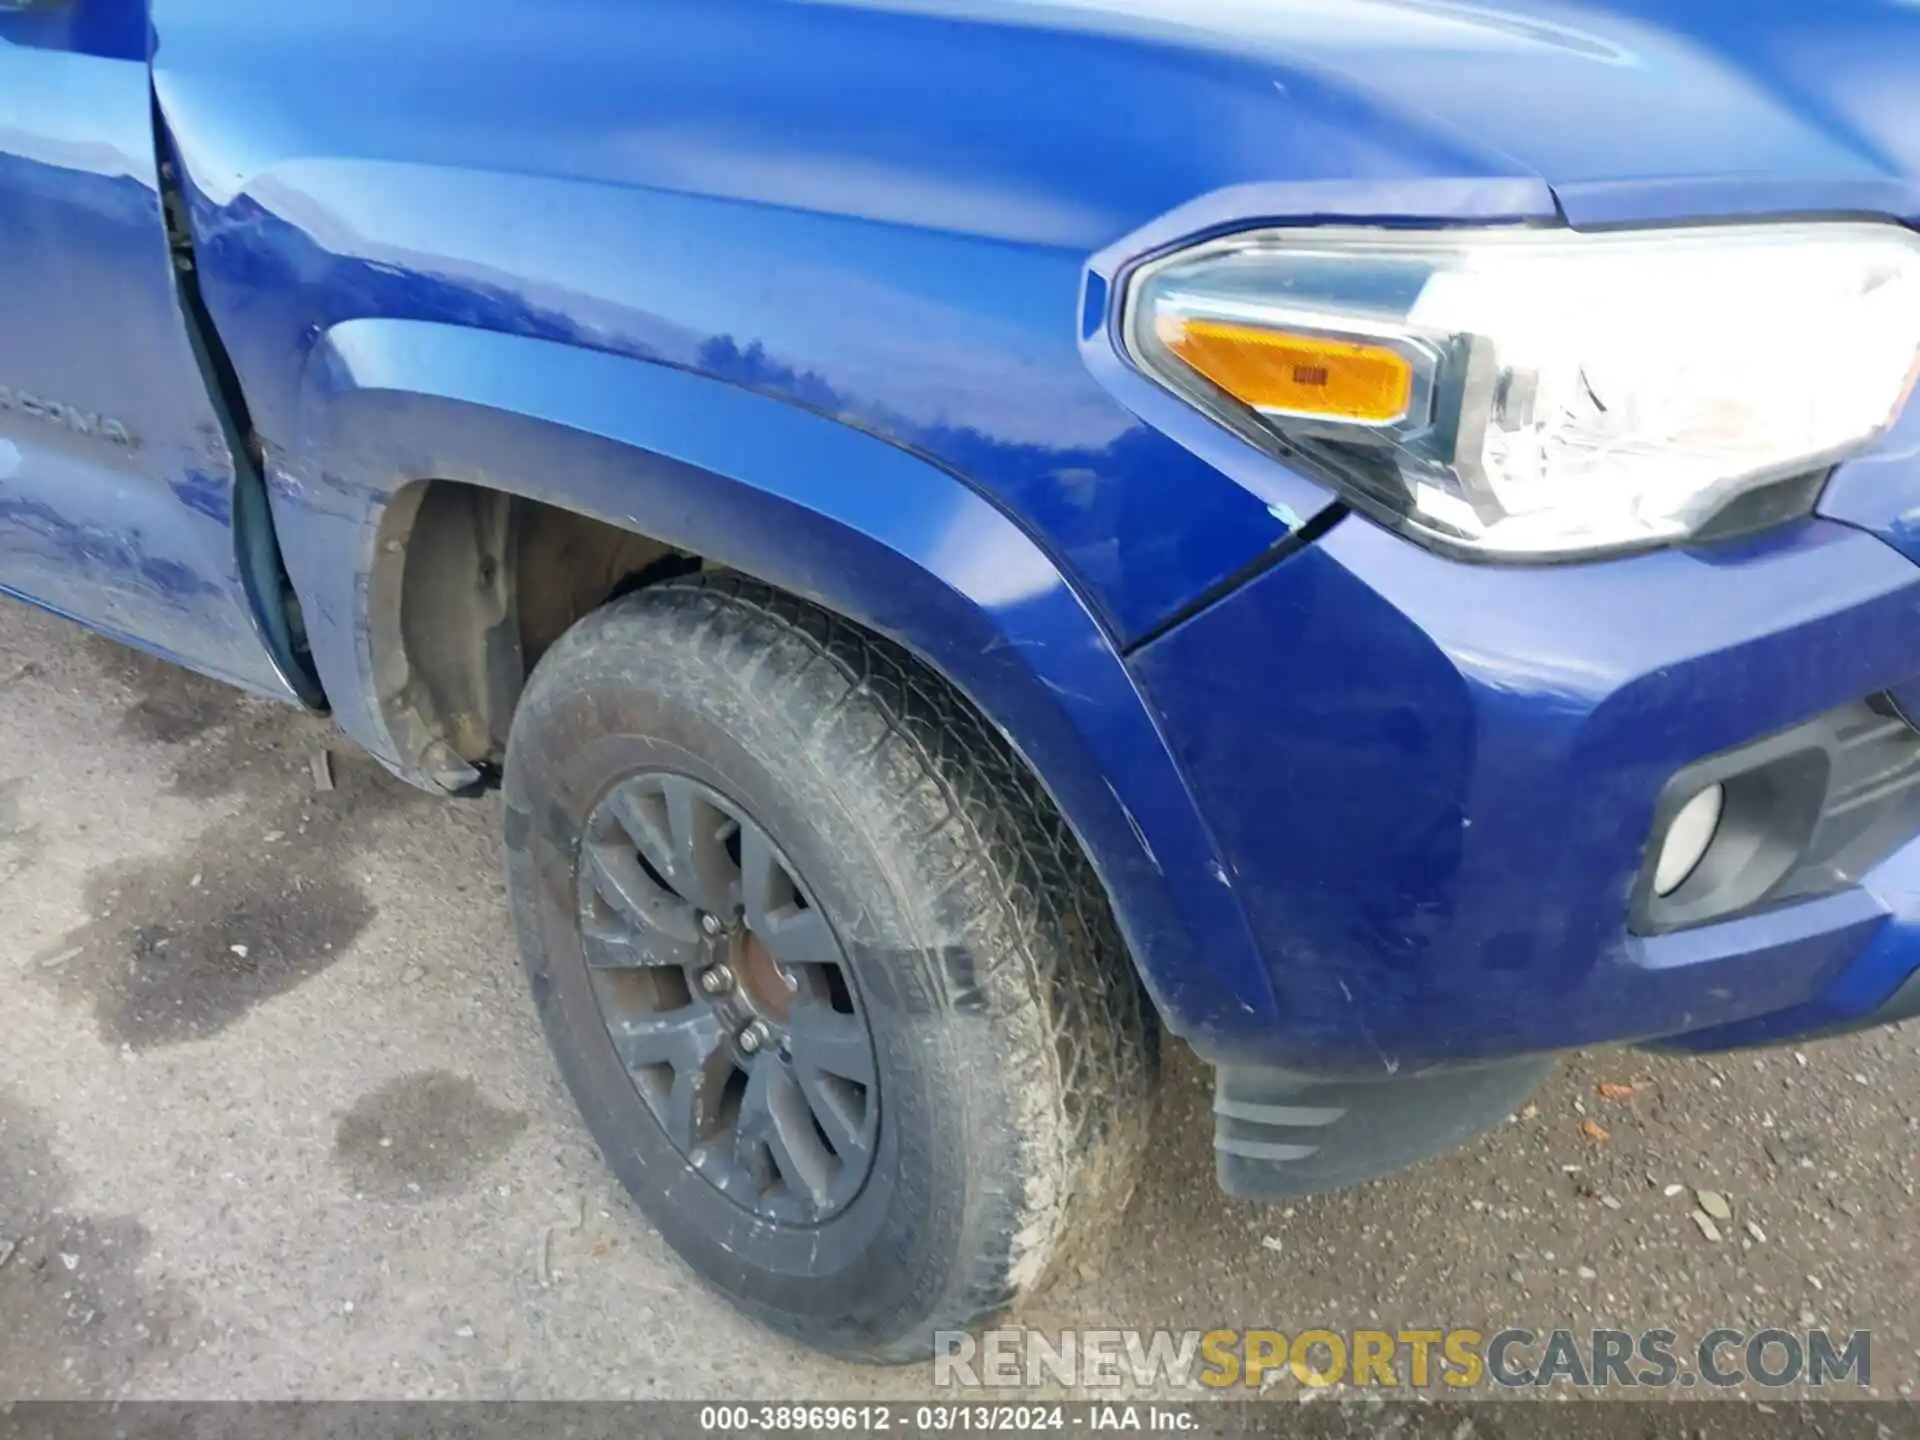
pixel 1306 375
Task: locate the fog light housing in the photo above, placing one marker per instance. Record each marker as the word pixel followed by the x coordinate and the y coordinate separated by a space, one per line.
pixel 1803 812
pixel 1688 839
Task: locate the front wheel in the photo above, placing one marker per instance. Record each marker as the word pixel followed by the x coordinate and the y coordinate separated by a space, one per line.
pixel 834 987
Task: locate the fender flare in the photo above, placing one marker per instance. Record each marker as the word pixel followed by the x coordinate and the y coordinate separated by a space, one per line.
pixel 797 500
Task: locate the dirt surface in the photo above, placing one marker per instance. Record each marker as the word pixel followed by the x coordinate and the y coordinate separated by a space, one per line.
pixel 276 1121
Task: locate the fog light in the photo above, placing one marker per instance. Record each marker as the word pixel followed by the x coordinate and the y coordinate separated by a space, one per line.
pixel 1687 839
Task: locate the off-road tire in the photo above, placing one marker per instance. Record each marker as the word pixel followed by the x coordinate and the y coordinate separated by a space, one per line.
pixel 1017 1056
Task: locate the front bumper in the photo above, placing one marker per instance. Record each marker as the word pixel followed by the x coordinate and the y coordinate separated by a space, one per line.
pixel 1434 785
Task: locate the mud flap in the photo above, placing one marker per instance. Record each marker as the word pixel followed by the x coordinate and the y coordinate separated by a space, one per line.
pixel 1279 1133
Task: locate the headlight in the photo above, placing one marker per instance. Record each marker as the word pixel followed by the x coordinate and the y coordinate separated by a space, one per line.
pixel 1538 394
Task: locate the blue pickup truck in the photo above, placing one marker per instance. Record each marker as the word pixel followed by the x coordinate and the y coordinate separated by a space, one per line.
pixel 1379 537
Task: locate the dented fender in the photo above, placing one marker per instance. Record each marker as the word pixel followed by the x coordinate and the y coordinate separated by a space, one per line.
pixel 802 502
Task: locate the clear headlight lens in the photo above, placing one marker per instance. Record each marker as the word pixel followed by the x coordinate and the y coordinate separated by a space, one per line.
pixel 1530 394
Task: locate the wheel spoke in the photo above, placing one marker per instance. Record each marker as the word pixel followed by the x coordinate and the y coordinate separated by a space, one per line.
pixel 619 880
pixel 688 1042
pixel 681 1038
pixel 839 1107
pixel 622 947
pixel 826 1040
pixel 643 816
pixel 750 1174
pixel 775 1111
pixel 689 1110
pixel 796 936
pixel 702 871
pixel 650 928
pixel 765 887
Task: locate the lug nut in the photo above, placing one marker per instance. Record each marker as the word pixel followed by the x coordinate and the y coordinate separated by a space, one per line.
pixel 752 1037
pixel 710 924
pixel 716 980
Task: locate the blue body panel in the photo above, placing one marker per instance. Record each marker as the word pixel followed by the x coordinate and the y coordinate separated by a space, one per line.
pixel 116 482
pixel 1441 865
pixel 823 290
pixel 782 196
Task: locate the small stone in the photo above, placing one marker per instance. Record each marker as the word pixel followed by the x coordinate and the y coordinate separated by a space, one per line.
pixel 1787 1148
pixel 1807 1317
pixel 1814 1280
pixel 1707 1227
pixel 1759 1235
pixel 1672 1190
pixel 413 974
pixel 1587 1272
pixel 7 1247
pixel 72 1262
pixel 321 763
pixel 1714 1203
pixel 194 883
pixel 1799 1057
pixel 1516 1277
pixel 273 836
pixel 465 1332
pixel 1529 1111
pixel 239 950
pixel 1611 1202
pixel 1272 1242
pixel 1849 1207
pixel 346 1307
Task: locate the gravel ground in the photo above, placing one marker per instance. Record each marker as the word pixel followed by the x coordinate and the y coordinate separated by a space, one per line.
pixel 276 1121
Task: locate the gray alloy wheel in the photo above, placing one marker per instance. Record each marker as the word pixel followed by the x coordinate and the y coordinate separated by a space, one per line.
pixel 727 994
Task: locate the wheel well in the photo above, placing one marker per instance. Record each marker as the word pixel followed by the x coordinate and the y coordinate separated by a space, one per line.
pixel 469 588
